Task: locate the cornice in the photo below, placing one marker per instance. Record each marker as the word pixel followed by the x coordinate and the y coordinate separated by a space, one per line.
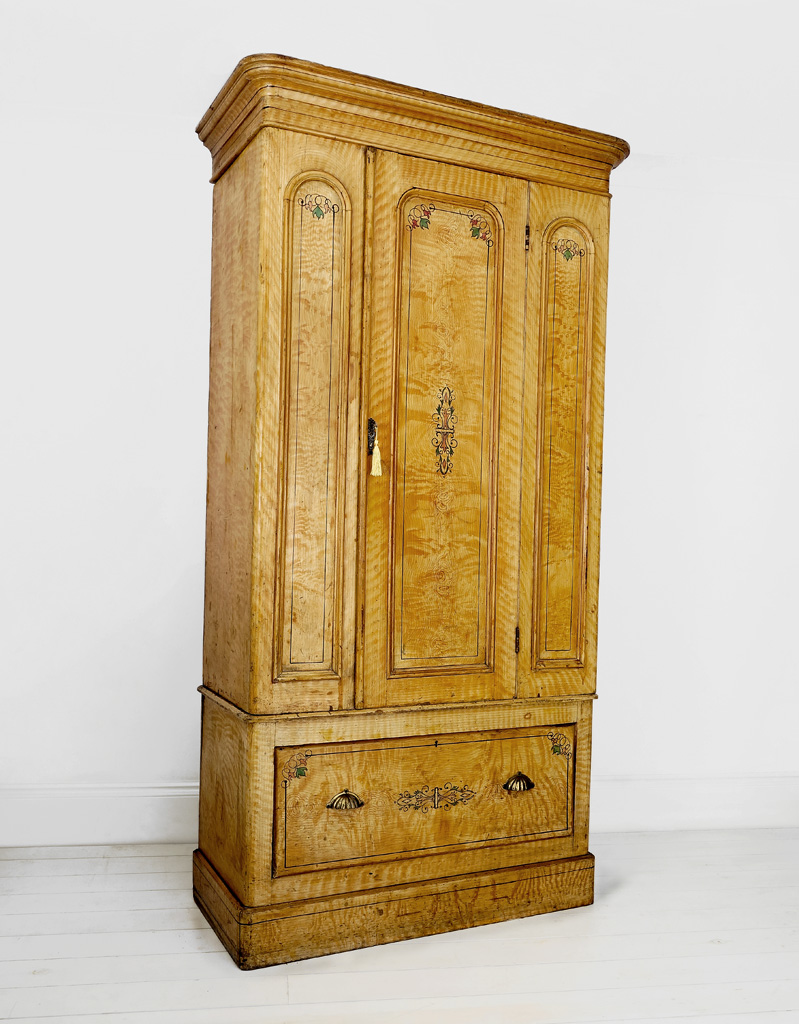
pixel 268 90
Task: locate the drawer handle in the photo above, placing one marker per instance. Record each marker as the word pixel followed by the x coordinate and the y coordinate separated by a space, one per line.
pixel 518 783
pixel 344 801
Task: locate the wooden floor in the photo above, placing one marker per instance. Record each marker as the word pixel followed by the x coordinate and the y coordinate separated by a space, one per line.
pixel 687 926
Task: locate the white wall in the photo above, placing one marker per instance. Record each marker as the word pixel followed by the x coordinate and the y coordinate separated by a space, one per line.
pixel 106 247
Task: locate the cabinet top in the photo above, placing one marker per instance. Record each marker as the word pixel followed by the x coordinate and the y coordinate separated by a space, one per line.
pixel 269 90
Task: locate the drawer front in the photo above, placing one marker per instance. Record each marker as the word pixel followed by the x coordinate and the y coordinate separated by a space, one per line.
pixel 346 803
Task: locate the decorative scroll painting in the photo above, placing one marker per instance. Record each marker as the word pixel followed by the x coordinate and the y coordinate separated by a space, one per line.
pixel 444 420
pixel 426 799
pixel 444 507
pixel 560 566
pixel 316 349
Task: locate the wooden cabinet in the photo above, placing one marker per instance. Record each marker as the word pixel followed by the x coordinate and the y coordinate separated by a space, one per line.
pixel 399 667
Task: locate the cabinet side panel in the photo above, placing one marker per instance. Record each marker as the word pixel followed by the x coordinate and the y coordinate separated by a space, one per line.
pixel 235 291
pixel 307 434
pixel 224 809
pixel 315 359
pixel 582 776
pixel 562 442
pixel 565 343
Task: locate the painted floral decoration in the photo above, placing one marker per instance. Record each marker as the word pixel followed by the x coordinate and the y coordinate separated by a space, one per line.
pixel 479 228
pixel 560 745
pixel 318 205
pixel 568 249
pixel 419 217
pixel 297 766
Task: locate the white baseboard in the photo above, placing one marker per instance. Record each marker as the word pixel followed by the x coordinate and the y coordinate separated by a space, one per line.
pixel 83 815
pixel 667 802
pixel 86 815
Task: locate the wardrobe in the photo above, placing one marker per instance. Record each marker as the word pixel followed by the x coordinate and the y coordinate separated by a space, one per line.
pixel 404 475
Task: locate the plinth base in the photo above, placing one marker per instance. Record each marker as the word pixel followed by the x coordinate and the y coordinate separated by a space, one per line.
pixel 284 932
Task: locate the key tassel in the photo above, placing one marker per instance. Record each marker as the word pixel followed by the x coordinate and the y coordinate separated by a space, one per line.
pixel 377 462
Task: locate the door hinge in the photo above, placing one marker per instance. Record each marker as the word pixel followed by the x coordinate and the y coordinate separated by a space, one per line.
pixel 527 238
pixel 517 639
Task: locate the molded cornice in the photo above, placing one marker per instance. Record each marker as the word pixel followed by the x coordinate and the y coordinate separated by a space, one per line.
pixel 268 90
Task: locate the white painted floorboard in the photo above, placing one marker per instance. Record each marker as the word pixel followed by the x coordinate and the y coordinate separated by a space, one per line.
pixel 688 927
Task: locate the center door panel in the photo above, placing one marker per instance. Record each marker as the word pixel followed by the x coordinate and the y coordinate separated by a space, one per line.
pixel 445 390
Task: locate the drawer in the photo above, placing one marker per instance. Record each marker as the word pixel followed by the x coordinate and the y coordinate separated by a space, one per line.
pixel 345 803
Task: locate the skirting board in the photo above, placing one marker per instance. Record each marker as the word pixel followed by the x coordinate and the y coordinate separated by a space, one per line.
pixel 82 815
pixel 88 815
pixel 658 803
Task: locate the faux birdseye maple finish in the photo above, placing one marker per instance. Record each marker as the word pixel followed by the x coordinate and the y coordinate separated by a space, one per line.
pixel 443 516
pixel 313 455
pixel 387 656
pixel 246 830
pixel 560 575
pixel 419 794
pixel 447 317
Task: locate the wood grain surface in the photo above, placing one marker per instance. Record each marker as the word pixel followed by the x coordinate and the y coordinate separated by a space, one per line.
pixel 258 938
pixel 266 781
pixel 316 338
pixel 562 446
pixel 442 529
pixel 268 90
pixel 566 341
pixel 419 794
pixel 230 514
pixel 385 651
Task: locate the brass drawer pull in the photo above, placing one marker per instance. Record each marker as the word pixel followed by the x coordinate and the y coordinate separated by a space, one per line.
pixel 344 801
pixel 518 783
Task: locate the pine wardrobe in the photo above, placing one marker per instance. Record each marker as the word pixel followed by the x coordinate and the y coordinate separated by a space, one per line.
pixel 404 469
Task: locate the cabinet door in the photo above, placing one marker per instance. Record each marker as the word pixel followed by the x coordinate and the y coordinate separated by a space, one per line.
pixel 444 386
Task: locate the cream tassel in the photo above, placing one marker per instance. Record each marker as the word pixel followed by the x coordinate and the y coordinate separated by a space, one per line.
pixel 377 462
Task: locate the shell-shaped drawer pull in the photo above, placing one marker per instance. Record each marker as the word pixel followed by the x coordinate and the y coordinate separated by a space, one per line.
pixel 518 783
pixel 344 801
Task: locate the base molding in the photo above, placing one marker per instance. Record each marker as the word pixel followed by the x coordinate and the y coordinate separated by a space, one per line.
pixel 75 814
pixel 282 933
pixel 657 803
